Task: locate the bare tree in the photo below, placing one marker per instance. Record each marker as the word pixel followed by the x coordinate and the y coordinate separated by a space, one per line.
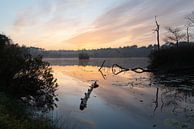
pixel 188 34
pixel 157 33
pixel 190 18
pixel 174 35
pixel 189 24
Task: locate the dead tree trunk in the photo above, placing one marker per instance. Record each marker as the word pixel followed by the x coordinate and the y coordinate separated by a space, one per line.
pixel 188 37
pixel 157 33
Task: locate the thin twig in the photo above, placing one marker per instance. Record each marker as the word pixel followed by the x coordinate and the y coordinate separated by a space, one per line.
pixel 103 75
pixel 102 65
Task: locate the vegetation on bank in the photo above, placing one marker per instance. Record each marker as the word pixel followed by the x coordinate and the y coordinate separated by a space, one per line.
pixel 27 86
pixel 173 58
pixel 83 56
pixel 121 52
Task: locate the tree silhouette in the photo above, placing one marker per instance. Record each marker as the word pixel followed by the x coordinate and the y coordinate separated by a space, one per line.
pixel 190 18
pixel 26 78
pixel 189 24
pixel 157 33
pixel 174 35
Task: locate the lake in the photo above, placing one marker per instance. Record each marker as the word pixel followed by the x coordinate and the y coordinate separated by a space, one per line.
pixel 126 101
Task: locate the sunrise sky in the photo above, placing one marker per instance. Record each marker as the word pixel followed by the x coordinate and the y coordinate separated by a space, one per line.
pixel 78 24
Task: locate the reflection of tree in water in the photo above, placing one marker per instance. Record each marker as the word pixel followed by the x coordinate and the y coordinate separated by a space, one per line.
pixel 177 96
pixel 83 62
pixel 156 100
pixel 171 98
pixel 176 90
pixel 174 93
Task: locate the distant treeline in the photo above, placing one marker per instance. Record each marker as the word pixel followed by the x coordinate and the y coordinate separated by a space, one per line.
pixel 122 52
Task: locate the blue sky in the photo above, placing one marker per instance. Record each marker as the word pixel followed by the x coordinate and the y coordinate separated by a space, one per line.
pixel 8 10
pixel 78 24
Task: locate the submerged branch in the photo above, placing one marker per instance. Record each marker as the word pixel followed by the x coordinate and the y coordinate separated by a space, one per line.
pixel 122 69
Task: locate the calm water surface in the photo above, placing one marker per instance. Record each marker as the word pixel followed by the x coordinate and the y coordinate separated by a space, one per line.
pixel 126 101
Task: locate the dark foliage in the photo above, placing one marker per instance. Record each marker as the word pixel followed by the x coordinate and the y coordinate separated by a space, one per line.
pixel 121 52
pixel 83 55
pixel 26 78
pixel 173 57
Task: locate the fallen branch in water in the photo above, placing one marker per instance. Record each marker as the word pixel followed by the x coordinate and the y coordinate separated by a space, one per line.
pixel 84 100
pixel 122 69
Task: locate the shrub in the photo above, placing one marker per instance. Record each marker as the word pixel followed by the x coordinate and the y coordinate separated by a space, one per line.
pixel 26 78
pixel 173 57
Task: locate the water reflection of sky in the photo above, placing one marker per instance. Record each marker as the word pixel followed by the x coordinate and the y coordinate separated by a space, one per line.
pixel 124 101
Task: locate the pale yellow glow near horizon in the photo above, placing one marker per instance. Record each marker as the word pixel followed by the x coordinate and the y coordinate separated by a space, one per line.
pixel 80 43
pixel 75 25
pixel 86 40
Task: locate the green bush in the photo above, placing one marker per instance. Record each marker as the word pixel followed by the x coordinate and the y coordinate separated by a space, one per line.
pixel 26 78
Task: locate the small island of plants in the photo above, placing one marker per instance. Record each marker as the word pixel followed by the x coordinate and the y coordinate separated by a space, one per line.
pixel 83 56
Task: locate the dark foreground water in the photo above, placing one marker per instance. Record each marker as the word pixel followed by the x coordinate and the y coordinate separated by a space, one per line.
pixel 126 101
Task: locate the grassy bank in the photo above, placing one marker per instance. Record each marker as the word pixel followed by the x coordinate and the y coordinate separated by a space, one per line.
pixel 173 59
pixel 14 115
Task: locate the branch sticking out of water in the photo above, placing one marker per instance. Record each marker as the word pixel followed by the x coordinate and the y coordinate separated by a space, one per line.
pixel 102 65
pixel 103 75
pixel 84 100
